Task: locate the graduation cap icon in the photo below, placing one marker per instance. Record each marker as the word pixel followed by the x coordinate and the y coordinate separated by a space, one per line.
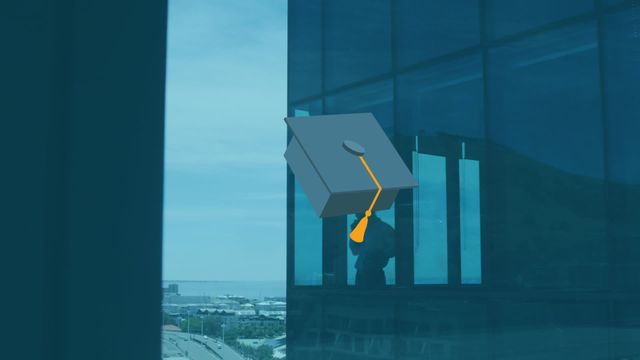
pixel 346 165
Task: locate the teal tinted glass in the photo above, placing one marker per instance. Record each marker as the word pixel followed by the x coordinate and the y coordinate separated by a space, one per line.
pixel 430 252
pixel 376 98
pixel 470 235
pixel 427 29
pixel 308 227
pixel 506 17
pixel 357 40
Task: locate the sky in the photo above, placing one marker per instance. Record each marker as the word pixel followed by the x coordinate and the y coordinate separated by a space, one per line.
pixel 225 175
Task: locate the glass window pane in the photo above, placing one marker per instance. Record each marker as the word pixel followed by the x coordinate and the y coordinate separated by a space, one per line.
pixel 505 17
pixel 357 40
pixel 308 109
pixel 375 98
pixel 547 201
pixel 446 98
pixel 388 217
pixel 470 241
pixel 307 224
pixel 305 46
pixel 308 241
pixel 544 98
pixel 446 30
pixel 622 71
pixel 430 219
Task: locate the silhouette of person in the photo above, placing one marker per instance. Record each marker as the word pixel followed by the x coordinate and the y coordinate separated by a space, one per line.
pixel 373 253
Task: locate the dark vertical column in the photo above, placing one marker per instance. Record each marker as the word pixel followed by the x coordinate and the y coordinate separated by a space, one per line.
pixel 404 201
pixel 323 53
pixel 82 150
pixel 453 218
pixel 27 102
pixel 115 161
pixel 57 182
pixel 486 195
pixel 611 245
pixel 612 251
pixel 485 173
pixel 290 229
pixel 404 221
pixel 334 229
pixel 334 251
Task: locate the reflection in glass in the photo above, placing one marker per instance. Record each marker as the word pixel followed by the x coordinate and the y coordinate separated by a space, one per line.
pixel 308 241
pixel 560 196
pixel 622 71
pixel 375 98
pixel 307 225
pixel 430 219
pixel 470 251
pixel 311 108
pixel 505 17
pixel 357 40
pixel 387 217
pixel 445 98
pixel 445 30
pixel 553 119
pixel 305 42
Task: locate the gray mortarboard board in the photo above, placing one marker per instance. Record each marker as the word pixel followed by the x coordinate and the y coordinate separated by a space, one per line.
pixel 346 165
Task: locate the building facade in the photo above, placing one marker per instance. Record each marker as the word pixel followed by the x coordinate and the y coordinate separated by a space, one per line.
pixel 520 120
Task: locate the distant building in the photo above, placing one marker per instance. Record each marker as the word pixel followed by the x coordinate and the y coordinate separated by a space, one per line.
pixel 259 321
pixel 278 314
pixel 229 301
pixel 271 305
pixel 277 344
pixel 275 298
pixel 232 298
pixel 171 290
pixel 177 299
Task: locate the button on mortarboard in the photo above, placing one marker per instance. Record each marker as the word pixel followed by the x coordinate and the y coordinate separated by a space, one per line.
pixel 337 159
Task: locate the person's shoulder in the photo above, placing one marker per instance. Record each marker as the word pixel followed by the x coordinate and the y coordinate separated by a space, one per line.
pixel 386 226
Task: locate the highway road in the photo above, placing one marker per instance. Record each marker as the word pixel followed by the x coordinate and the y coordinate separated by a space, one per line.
pixel 178 345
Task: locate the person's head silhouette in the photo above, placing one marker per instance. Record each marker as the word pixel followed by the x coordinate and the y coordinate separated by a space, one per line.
pixel 374 252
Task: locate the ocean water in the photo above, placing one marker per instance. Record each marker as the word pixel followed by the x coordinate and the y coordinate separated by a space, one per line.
pixel 249 289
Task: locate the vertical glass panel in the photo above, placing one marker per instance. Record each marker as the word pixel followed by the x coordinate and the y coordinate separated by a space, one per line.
pixel 547 205
pixel 470 241
pixel 447 30
pixel 308 241
pixel 446 98
pixel 357 40
pixel 375 98
pixel 305 49
pixel 307 224
pixel 430 219
pixel 545 99
pixel 388 217
pixel 622 71
pixel 505 17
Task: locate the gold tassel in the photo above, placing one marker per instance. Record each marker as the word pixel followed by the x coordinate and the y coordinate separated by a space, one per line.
pixel 357 234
